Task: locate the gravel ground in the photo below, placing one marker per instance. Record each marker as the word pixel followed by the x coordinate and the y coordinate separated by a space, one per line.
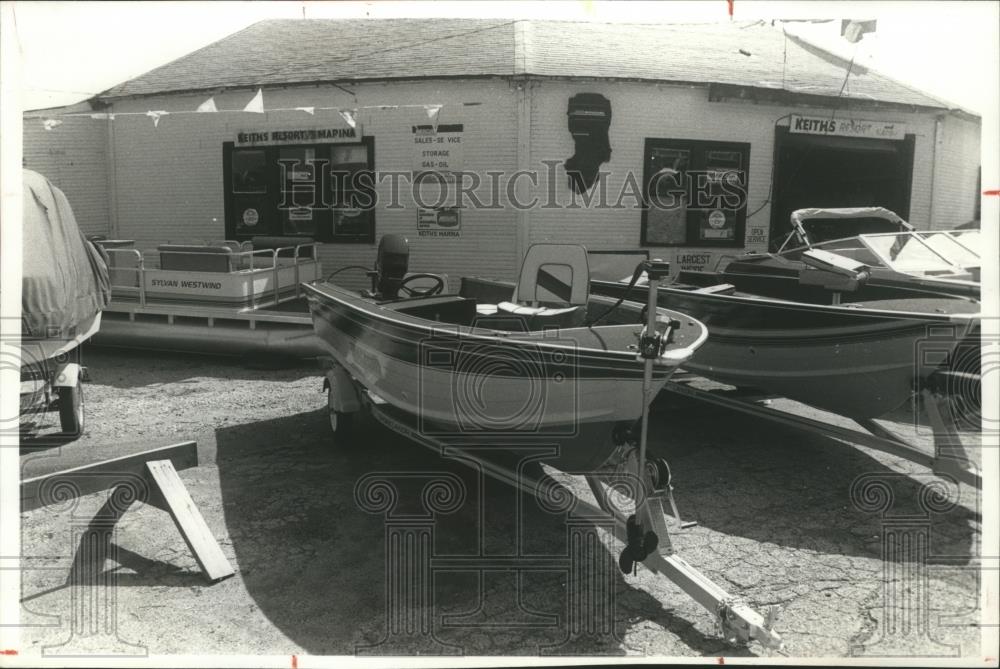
pixel 776 525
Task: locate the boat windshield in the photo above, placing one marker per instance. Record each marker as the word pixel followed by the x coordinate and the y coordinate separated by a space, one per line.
pixel 853 248
pixel 907 252
pixel 958 253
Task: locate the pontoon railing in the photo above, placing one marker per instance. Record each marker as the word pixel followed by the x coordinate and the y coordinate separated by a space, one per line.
pixel 248 255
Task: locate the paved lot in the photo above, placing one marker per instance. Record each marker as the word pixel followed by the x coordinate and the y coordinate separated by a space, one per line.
pixel 777 525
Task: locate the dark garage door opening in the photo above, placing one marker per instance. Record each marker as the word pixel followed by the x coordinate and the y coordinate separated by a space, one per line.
pixel 821 171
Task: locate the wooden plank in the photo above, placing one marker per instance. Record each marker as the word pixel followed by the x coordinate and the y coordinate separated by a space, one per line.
pixel 177 502
pixel 105 474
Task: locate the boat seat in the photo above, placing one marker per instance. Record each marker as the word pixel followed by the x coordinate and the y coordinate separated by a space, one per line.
pixel 717 289
pixel 269 242
pixel 541 317
pixel 552 289
pixel 195 258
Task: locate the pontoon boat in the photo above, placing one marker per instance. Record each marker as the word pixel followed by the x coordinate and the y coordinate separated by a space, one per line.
pixel 222 297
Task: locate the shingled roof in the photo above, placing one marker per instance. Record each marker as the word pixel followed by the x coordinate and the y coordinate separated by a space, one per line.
pixel 284 51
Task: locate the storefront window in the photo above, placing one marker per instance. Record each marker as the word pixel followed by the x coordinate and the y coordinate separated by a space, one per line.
pixel 248 171
pixel 300 190
pixel 695 193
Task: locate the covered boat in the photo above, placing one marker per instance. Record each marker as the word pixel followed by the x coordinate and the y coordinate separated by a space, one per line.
pixel 64 288
pixel 544 363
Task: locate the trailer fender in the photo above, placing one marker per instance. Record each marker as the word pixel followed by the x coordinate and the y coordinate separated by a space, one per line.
pixel 69 375
pixel 343 392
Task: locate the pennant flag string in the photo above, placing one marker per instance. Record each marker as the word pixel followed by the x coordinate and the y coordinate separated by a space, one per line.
pixel 207 106
pixel 256 104
pixel 350 117
pixel 156 117
pixel 431 110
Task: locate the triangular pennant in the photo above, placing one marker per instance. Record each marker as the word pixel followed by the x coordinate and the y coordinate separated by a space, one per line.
pixel 50 123
pixel 207 106
pixel 853 31
pixel 308 110
pixel 156 117
pixel 349 116
pixel 256 105
pixel 432 111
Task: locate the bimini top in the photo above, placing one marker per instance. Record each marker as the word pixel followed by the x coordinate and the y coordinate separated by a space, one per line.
pixel 65 281
pixel 285 52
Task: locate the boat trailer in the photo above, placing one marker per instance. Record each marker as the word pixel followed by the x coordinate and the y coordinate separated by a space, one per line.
pixel 950 457
pixel 630 490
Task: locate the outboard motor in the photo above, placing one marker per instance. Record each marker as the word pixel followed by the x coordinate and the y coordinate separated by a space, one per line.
pixel 589 119
pixel 390 266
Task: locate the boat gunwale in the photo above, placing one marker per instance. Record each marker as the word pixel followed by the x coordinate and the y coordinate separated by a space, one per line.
pixel 844 308
pixel 381 313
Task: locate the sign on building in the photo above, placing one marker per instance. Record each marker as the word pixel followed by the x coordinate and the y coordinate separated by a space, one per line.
pixel 439 222
pixel 846 127
pixel 438 150
pixel 298 136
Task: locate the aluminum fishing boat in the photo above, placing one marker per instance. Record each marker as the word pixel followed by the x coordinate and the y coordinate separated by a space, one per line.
pixel 500 366
pixel 860 358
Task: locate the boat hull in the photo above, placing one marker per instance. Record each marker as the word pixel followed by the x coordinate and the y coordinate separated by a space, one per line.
pixel 860 363
pixel 467 385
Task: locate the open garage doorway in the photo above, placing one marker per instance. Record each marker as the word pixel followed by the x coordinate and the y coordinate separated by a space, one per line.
pixel 829 171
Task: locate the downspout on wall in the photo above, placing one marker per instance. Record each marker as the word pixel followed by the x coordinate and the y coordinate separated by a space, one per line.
pixel 934 168
pixel 112 166
pixel 523 90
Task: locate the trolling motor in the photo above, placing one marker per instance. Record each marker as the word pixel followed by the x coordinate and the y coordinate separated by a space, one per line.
pixel 641 540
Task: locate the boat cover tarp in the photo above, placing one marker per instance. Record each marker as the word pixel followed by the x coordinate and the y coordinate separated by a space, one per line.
pixel 65 281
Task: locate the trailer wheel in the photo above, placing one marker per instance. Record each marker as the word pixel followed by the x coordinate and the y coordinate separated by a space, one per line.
pixel 71 409
pixel 340 421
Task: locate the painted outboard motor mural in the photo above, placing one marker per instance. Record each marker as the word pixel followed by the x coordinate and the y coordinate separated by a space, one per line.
pixel 589 119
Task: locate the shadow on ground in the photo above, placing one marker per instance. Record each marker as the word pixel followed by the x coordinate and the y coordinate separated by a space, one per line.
pixel 315 562
pixel 746 476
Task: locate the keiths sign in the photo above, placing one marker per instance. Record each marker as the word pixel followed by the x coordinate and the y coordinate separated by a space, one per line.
pixel 846 127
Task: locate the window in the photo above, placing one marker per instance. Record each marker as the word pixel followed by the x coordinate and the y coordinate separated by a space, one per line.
pixel 695 193
pixel 309 190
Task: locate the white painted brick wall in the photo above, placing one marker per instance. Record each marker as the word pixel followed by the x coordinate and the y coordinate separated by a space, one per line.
pixel 956 170
pixel 169 179
pixel 168 185
pixel 641 111
pixel 73 155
